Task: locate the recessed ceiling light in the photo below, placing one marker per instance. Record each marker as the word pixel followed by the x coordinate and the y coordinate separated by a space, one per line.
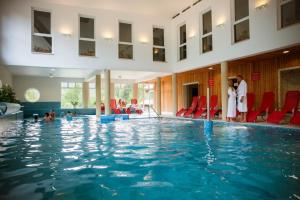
pixel 285 52
pixel 52 69
pixel 211 68
pixel 51 76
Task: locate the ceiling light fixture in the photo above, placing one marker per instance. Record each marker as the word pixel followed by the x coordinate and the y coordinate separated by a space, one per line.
pixel 261 6
pixel 286 52
pixel 211 68
pixel 51 75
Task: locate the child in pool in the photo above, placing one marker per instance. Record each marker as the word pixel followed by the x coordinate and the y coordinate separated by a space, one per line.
pixel 47 117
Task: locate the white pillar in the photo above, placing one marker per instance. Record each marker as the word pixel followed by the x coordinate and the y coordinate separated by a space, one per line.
pixel 98 95
pixel 107 91
pixel 158 95
pixel 174 94
pixel 224 88
pixel 85 94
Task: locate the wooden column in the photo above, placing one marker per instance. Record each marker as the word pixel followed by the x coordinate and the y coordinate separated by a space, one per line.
pixel 158 95
pixel 174 94
pixel 224 88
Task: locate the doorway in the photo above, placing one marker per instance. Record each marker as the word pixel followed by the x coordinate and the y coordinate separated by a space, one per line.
pixel 288 81
pixel 190 91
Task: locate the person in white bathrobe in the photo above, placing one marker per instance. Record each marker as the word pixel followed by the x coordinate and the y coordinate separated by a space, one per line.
pixel 242 97
pixel 231 108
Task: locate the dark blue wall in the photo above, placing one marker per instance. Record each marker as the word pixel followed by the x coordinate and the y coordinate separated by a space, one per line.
pixel 41 108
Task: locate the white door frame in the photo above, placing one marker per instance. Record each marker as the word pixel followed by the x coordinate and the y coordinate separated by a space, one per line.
pixel 279 82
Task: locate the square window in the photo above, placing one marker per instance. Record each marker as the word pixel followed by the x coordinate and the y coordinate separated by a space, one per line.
pixel 41 22
pixel 241 31
pixel 290 13
pixel 241 9
pixel 125 51
pixel 207 44
pixel 158 37
pixel 87 28
pixel 182 34
pixel 159 54
pixel 182 52
pixel 41 44
pixel 207 24
pixel 86 48
pixel 64 85
pixel 125 34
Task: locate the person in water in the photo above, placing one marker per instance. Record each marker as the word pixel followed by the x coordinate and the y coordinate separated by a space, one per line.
pixel 47 117
pixel 35 118
pixel 52 114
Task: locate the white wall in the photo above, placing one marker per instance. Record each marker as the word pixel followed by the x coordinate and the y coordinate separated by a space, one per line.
pixel 15 38
pixel 49 88
pixel 264 34
pixel 5 76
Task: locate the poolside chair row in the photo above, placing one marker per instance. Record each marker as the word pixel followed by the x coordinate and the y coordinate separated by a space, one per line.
pixel 198 108
pixel 266 108
pixel 126 110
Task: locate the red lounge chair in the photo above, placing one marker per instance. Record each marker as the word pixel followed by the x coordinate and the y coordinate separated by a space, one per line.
pixel 290 105
pixel 134 102
pixel 267 106
pixel 201 108
pixel 113 106
pixel 128 111
pixel 192 108
pixel 181 112
pixel 295 120
pixel 213 106
pixel 134 105
pixel 250 101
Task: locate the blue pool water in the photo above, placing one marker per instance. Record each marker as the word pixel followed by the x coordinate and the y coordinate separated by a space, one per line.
pixel 147 159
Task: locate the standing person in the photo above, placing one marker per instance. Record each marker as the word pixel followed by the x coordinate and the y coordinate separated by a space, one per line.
pixel 231 110
pixel 47 117
pixel 242 97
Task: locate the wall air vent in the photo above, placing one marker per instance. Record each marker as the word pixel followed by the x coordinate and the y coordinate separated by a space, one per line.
pixel 175 15
pixel 196 2
pixel 186 9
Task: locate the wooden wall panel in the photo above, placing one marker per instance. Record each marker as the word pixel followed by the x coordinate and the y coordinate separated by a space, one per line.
pixel 166 94
pixel 201 76
pixel 269 73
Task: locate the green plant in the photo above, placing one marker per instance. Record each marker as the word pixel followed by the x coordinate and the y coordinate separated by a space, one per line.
pixel 73 96
pixel 7 94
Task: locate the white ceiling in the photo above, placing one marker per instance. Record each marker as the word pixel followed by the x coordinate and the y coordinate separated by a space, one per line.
pixel 167 8
pixel 81 73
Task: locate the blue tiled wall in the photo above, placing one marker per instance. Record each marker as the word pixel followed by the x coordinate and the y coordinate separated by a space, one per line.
pixel 41 108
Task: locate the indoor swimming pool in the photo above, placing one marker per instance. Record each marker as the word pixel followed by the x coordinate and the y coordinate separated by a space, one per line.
pixel 148 159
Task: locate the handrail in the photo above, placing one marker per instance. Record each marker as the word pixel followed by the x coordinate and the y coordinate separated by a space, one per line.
pixel 158 116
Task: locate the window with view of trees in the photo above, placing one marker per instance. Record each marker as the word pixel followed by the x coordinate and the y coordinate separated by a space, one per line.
pixel 87 42
pixel 146 93
pixel 124 91
pixel 182 42
pixel 41 41
pixel 125 41
pixel 207 43
pixel 71 95
pixel 158 45
pixel 241 20
pixel 289 12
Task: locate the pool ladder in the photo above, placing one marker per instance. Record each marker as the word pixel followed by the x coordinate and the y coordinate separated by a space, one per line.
pixel 157 115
